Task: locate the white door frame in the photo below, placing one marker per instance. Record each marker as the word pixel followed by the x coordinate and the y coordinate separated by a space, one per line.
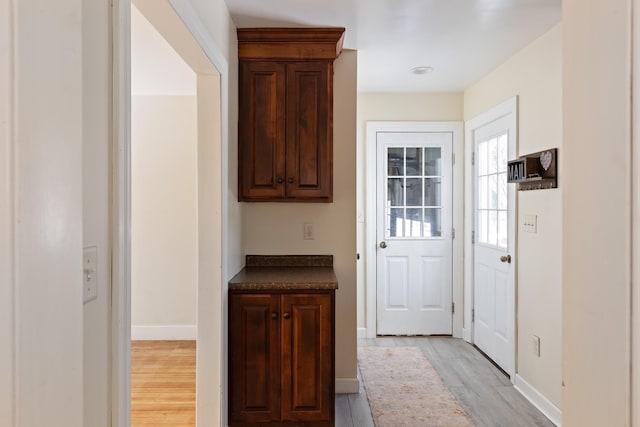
pixel 121 199
pixel 373 127
pixel 506 108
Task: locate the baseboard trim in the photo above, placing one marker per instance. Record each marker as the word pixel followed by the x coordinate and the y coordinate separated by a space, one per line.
pixel 550 410
pixel 362 333
pixel 347 386
pixel 164 332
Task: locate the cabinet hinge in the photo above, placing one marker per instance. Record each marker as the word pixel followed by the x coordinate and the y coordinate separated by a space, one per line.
pixel 453 308
pixel 473 158
pixel 453 233
pixel 473 314
pixel 453 159
pixel 473 236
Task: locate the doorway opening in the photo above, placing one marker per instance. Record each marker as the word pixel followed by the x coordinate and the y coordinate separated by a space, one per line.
pixel 416 202
pixel 181 28
pixel 164 229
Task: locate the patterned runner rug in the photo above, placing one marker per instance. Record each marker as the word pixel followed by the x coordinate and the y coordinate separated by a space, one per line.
pixel 405 391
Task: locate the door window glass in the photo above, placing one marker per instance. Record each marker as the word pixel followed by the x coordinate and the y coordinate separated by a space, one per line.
pixel 492 191
pixel 414 199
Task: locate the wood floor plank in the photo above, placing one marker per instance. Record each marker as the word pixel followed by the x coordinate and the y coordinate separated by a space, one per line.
pixel 163 383
pixel 343 411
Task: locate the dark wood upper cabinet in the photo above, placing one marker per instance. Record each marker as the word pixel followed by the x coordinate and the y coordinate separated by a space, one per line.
pixel 285 149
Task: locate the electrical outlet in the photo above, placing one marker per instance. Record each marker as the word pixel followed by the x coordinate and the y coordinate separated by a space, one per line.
pixel 307 233
pixel 530 223
pixel 90 274
pixel 536 345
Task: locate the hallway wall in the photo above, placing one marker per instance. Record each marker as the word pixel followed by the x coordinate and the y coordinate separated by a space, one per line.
pixel 597 229
pixel 164 238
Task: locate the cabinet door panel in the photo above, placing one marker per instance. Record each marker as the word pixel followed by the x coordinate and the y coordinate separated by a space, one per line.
pixel 309 153
pixel 262 131
pixel 307 358
pixel 254 357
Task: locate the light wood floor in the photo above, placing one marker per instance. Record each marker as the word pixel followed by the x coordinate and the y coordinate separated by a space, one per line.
pixel 163 385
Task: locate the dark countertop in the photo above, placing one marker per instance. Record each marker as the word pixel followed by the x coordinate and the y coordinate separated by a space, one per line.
pixel 288 277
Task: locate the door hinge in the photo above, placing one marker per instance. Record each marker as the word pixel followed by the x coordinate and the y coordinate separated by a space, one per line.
pixel 473 236
pixel 453 233
pixel 473 314
pixel 473 158
pixel 453 308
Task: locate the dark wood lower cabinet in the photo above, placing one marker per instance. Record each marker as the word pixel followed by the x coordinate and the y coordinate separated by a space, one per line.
pixel 281 358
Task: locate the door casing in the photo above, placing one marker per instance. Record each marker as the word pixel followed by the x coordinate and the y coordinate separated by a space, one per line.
pixel 373 127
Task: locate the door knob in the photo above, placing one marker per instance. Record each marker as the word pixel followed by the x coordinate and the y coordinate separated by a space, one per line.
pixel 506 258
pixel 383 244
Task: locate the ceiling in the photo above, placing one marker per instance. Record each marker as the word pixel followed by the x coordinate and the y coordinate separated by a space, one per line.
pixel 462 40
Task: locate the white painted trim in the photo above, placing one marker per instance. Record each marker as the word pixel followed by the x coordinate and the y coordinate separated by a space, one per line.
pixel 508 107
pixel 362 333
pixel 121 217
pixel 165 333
pixel 373 127
pixel 347 386
pixel 8 302
pixel 635 225
pixel 536 398
pixel 192 21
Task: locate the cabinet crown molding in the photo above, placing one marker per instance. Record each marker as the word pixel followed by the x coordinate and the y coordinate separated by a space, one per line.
pixel 290 43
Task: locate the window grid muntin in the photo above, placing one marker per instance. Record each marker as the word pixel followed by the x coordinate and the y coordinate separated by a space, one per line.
pixel 405 228
pixel 492 209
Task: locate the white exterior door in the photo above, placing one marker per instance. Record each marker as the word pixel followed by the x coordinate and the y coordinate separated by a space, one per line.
pixel 494 216
pixel 414 233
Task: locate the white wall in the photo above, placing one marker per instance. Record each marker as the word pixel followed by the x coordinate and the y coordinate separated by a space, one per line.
pixel 164 217
pixel 96 131
pixel 276 228
pixel 534 75
pixel 597 220
pixel 391 107
pixel 48 229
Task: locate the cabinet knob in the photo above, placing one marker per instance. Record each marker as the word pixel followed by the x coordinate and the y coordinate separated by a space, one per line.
pixel 290 180
pixel 274 315
pixel 280 180
pixel 287 316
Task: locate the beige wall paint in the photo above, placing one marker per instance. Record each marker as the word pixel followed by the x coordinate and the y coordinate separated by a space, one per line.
pixel 391 107
pixel 164 211
pixel 534 75
pixel 597 221
pixel 48 122
pixel 276 228
pixel 96 131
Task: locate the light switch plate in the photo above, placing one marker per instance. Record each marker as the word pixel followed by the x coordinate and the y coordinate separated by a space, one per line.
pixel 530 223
pixel 90 273
pixel 307 233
